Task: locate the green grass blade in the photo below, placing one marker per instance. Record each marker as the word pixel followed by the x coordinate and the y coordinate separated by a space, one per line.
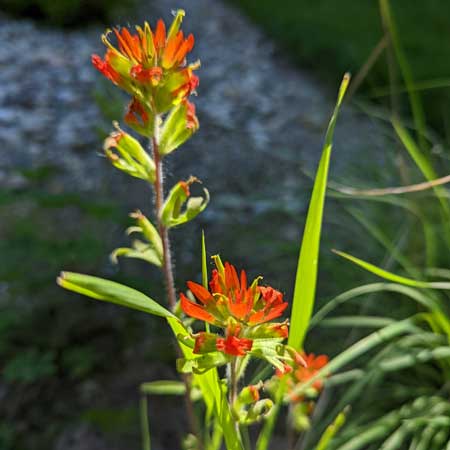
pixel 357 322
pixel 110 291
pixel 414 96
pixel 378 234
pixel 331 431
pixel 393 277
pixel 431 241
pixel 423 163
pixel 359 348
pixel 367 289
pixel 306 277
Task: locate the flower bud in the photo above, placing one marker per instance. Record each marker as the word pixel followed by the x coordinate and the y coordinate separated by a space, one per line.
pixel 250 394
pixel 131 157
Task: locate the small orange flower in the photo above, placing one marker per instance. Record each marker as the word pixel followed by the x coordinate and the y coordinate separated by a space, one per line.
pixel 313 365
pixel 301 370
pixel 232 345
pixel 231 297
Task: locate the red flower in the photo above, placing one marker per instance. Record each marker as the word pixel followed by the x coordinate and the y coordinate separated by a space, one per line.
pixel 234 346
pixel 299 371
pixel 105 68
pixel 231 297
pixel 313 365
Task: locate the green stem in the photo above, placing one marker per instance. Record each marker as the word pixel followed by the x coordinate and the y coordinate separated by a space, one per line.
pixel 163 231
pixel 144 423
pixel 167 266
pixel 233 387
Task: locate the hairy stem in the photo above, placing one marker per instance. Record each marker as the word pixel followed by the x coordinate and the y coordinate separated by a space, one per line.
pixel 163 231
pixel 233 385
pixel 167 267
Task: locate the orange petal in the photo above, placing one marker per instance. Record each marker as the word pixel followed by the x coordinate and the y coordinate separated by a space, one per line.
pixel 238 310
pixel 194 310
pixel 160 35
pixel 199 291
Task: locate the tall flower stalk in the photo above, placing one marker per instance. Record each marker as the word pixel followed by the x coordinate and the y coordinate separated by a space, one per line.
pixel 151 66
pixel 225 323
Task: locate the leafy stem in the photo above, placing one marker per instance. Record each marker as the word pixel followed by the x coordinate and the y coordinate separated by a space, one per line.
pixel 167 267
pixel 163 231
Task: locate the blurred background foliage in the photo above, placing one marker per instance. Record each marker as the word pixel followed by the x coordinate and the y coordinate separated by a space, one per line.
pixel 53 372
pixel 67 13
pixel 332 37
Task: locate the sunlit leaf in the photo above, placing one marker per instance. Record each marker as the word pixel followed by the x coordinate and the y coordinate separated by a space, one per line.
pixel 305 280
pixel 393 277
pixel 110 291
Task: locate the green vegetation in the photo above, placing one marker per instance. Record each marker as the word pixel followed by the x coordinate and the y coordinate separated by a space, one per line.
pixel 335 36
pixel 67 12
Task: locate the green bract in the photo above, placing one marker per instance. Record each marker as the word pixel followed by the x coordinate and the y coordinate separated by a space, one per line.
pixel 150 251
pixel 173 213
pixel 178 127
pixel 131 157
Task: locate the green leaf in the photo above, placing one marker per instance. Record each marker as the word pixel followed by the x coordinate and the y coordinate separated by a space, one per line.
pixel 110 291
pixel 163 387
pixel 132 158
pixel 203 363
pixel 331 305
pixel 357 322
pixel 423 163
pixel 393 277
pixel 179 126
pixel 150 251
pixel 268 349
pixel 306 277
pixel 331 431
pixel 405 69
pixel 140 250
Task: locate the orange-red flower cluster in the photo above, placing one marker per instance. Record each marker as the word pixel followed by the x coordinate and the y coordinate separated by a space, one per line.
pixel 151 66
pixel 242 310
pixel 304 367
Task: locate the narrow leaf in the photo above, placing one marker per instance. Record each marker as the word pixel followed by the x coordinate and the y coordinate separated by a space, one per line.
pixel 306 277
pixel 393 277
pixel 163 387
pixel 331 431
pixel 110 291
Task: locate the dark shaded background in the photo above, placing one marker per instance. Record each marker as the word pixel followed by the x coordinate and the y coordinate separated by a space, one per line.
pixel 71 367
